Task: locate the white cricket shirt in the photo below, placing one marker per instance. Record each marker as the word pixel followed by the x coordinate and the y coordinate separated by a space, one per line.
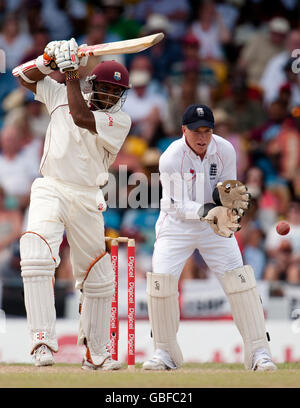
pixel 73 154
pixel 188 181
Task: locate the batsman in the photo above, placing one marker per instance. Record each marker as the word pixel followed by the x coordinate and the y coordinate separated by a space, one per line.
pixel 85 133
pixel 201 208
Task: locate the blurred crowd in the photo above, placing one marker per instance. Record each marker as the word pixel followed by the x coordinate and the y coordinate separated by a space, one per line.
pixel 237 56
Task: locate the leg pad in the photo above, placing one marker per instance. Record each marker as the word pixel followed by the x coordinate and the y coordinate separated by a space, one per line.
pixel 38 267
pixel 163 310
pixel 97 292
pixel 240 286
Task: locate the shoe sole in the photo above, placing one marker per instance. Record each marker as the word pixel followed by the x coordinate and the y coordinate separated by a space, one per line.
pixel 155 368
pixel 266 369
pixel 44 363
pixel 94 368
pixel 99 368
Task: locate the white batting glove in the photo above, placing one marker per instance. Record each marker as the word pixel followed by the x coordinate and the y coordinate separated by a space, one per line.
pixel 51 47
pixel 46 63
pixel 66 56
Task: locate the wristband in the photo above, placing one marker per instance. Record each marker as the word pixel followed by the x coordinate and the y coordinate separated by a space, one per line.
pixel 204 209
pixel 71 75
pixel 40 64
pixel 216 196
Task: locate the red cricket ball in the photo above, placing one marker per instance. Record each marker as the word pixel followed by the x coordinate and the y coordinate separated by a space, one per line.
pixel 283 228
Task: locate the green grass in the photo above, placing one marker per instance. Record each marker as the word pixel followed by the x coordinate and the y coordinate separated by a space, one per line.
pixel 206 375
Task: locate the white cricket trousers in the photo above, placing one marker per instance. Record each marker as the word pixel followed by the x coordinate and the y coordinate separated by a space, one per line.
pixel 56 207
pixel 176 241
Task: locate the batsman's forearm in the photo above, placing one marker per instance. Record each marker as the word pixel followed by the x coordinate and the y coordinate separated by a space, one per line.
pixel 35 75
pixel 78 107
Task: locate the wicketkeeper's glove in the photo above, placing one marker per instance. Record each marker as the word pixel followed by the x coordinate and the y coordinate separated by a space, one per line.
pixel 224 221
pixel 233 194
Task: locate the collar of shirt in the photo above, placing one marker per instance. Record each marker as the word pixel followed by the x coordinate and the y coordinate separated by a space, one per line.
pixel 212 148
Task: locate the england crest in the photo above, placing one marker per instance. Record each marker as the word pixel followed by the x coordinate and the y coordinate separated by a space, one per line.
pixel 200 111
pixel 213 170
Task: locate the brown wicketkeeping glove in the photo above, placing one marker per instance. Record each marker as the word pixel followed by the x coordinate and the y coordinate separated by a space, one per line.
pixel 233 194
pixel 224 221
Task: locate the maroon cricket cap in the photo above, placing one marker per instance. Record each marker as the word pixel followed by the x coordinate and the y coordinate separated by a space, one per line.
pixel 112 72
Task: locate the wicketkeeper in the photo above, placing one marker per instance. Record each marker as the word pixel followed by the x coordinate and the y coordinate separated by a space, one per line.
pixel 201 208
pixel 84 135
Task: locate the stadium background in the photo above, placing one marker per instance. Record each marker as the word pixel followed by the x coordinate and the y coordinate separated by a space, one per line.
pixel 236 57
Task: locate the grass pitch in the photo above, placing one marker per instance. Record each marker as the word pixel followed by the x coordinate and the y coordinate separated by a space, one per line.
pixel 208 375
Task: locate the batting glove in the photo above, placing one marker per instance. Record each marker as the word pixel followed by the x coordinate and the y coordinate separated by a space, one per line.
pixel 49 54
pixel 66 56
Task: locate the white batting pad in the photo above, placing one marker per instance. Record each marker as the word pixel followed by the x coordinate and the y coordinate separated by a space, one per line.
pixel 38 269
pixel 163 311
pixel 40 309
pixel 36 255
pixel 240 286
pixel 98 289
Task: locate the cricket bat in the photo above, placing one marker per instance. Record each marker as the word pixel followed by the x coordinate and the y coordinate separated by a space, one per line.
pixel 112 48
pixel 96 52
pixel 121 47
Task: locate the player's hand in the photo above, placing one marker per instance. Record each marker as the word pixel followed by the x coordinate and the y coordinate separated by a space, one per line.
pixel 224 221
pixel 233 194
pixel 51 47
pixel 66 56
pixel 49 54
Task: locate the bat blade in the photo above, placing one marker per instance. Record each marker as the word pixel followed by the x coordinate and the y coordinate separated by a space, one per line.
pixel 113 48
pixel 121 47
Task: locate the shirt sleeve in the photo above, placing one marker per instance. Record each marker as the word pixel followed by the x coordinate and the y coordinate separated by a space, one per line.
pixel 228 159
pixel 51 93
pixel 175 192
pixel 112 129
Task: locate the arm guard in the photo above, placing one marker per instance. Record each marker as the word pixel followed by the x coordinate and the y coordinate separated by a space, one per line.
pixel 44 66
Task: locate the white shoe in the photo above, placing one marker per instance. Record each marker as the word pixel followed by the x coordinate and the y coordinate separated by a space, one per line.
pixel 108 364
pixel 263 362
pixel 155 364
pixel 43 356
